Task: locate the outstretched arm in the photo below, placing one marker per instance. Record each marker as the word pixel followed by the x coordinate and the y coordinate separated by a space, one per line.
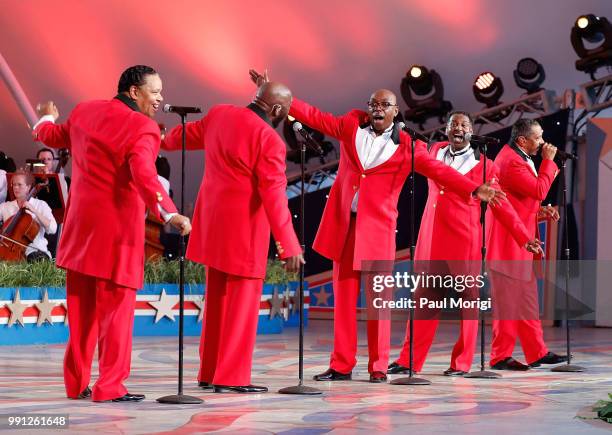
pixel 326 123
pixel 46 131
pixel 194 136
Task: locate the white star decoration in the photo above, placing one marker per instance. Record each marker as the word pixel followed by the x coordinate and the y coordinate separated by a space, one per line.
pixel 45 307
pixel 164 306
pixel 65 305
pixel 287 301
pixel 17 309
pixel 276 304
pixel 200 304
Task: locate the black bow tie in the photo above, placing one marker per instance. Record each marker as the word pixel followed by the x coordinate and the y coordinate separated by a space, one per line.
pixel 454 154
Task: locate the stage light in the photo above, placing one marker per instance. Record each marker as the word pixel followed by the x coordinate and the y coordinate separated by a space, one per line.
pixel 597 32
pixel 488 89
pixel 416 71
pixel 423 92
pixel 529 75
pixel 582 22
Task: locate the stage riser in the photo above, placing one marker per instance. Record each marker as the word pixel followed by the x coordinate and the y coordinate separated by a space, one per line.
pixel 144 316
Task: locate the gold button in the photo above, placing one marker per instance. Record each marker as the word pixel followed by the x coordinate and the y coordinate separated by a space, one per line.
pixel 441 192
pixel 363 175
pixel 434 206
pixel 354 187
pixel 159 197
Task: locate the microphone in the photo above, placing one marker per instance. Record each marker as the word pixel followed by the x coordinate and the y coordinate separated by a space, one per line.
pixel 488 140
pixel 298 128
pixel 563 155
pixel 181 110
pixel 413 134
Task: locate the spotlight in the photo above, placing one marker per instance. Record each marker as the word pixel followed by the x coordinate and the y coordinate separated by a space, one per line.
pixel 423 92
pixel 488 89
pixel 529 75
pixel 597 32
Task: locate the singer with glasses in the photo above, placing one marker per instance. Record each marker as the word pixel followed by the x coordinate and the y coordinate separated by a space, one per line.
pixel 242 198
pixel 450 243
pixel 359 220
pixel 114 144
pixel 514 287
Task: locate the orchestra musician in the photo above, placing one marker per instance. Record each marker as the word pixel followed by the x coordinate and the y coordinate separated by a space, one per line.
pixel 21 183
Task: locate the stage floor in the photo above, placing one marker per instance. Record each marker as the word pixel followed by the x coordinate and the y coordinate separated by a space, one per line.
pixel 537 401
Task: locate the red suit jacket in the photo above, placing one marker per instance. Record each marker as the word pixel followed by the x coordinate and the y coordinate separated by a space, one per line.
pixel 525 192
pixel 450 227
pixel 379 188
pixel 113 151
pixel 243 192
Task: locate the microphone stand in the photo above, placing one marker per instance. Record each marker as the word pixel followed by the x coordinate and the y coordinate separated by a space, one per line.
pixel 181 398
pixel 411 380
pixel 482 373
pixel 300 388
pixel 569 367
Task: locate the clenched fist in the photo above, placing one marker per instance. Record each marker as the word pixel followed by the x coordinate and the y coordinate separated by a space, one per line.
pixel 47 108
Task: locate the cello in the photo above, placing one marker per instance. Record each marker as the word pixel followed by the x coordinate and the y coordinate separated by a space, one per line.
pixel 19 231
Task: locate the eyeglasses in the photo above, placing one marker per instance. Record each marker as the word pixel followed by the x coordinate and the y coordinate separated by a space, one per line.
pixel 380 104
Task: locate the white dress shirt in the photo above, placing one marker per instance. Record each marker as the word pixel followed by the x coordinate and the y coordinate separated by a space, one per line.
pixel 463 160
pixel 372 151
pixel 11 208
pixel 529 161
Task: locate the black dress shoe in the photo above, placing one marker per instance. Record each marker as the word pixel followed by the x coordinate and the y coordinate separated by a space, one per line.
pixel 510 364
pixel 378 377
pixel 205 385
pixel 549 358
pixel 394 369
pixel 127 397
pixel 332 375
pixel 239 389
pixel 452 372
pixel 85 394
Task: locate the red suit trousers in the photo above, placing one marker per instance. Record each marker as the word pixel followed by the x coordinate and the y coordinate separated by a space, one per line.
pixel 516 316
pixel 99 312
pixel 231 312
pixel 425 325
pixel 347 285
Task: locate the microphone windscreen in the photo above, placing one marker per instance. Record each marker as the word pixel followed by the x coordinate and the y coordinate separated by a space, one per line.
pixel 401 125
pixel 297 126
pixel 167 108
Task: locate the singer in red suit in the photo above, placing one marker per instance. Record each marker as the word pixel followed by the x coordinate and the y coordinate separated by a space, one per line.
pixel 114 144
pixel 512 278
pixel 359 220
pixel 242 197
pixel 451 232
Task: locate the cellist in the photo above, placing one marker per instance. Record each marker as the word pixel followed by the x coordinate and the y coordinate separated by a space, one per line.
pixel 21 183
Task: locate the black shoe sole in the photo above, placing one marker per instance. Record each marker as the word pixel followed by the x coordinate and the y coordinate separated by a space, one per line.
pixel 348 378
pixel 510 369
pixel 127 401
pixel 231 390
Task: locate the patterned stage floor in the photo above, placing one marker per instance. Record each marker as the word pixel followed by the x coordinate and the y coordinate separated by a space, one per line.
pixel 537 401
